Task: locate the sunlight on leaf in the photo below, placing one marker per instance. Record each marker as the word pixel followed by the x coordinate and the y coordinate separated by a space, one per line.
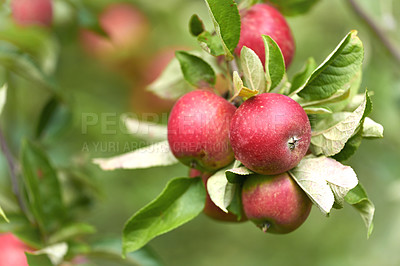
pixel 145 130
pixel 158 154
pixel 331 141
pixel 220 190
pixel 324 180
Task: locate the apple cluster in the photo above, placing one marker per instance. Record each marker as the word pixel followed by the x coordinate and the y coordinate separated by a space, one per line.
pixel 268 133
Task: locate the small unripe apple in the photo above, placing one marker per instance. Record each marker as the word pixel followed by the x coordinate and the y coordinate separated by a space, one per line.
pixel 198 130
pixel 210 209
pixel 263 19
pixel 12 251
pixel 276 204
pixel 270 133
pixel 126 27
pixel 29 12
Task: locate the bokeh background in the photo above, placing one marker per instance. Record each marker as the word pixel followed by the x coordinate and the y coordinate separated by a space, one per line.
pixel 97 86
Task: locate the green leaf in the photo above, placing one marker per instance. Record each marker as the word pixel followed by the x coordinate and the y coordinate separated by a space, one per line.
pixel 317 110
pixel 226 19
pixel 36 41
pixel 54 119
pixel 195 70
pixel 354 142
pixel 42 188
pixel 220 190
pixel 3 96
pixel 2 214
pixel 67 232
pixel 24 66
pixel 196 26
pixel 331 140
pixel 237 82
pixel 22 228
pixel 354 102
pixel 158 154
pixel 181 201
pixel 350 147
pixel 211 43
pixel 324 180
pixel 38 260
pixel 87 18
pixel 253 70
pixel 239 88
pixel 336 71
pixel 274 63
pixel 341 98
pixel 293 7
pixel 171 83
pixel 300 78
pixel 110 250
pixel 351 88
pixel 338 97
pixel 236 206
pixel 359 199
pixel 46 114
pixel 372 129
pixel 237 174
pixel 145 130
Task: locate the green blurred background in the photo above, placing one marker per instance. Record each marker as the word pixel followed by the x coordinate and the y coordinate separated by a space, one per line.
pixel 99 89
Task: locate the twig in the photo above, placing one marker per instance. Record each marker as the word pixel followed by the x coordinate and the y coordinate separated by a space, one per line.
pixel 234 66
pixel 228 75
pixel 387 43
pixel 13 170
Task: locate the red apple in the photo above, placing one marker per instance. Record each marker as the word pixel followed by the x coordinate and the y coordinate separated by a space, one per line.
pixel 263 19
pixel 126 27
pixel 28 12
pixel 198 130
pixel 12 251
pixel 210 209
pixel 276 204
pixel 270 133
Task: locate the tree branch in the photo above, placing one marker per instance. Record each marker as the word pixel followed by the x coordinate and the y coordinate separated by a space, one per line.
pixel 13 170
pixel 387 43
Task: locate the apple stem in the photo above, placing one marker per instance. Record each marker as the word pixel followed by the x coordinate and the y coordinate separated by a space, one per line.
pixel 265 226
